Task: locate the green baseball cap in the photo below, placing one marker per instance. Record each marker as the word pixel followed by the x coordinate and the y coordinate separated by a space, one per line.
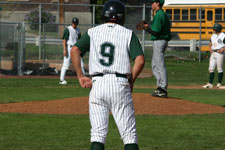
pixel 161 2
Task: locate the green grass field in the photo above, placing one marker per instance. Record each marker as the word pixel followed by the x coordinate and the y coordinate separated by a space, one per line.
pixel 156 132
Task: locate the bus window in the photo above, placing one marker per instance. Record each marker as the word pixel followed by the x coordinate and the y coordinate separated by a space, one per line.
pixel 193 14
pixel 209 15
pixel 218 13
pixel 203 14
pixel 177 14
pixel 224 14
pixel 169 12
pixel 185 14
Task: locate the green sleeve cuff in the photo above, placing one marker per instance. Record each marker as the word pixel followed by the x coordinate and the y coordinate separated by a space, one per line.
pixel 135 47
pixel 83 44
pixel 66 34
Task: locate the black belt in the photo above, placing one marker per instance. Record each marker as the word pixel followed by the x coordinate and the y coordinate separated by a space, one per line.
pixel 117 75
pixel 215 50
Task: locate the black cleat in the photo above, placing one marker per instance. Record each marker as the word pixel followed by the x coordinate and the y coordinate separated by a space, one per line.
pixel 159 92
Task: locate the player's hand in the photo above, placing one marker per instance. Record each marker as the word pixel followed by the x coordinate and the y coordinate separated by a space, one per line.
pixel 131 83
pixel 65 52
pixel 142 25
pixel 211 51
pixel 85 82
pixel 220 50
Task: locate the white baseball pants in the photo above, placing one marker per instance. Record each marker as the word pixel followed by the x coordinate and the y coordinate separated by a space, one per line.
pixel 216 60
pixel 111 93
pixel 66 64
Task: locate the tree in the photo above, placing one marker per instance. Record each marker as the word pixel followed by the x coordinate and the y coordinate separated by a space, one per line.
pixel 33 18
pixel 99 2
pixel 98 10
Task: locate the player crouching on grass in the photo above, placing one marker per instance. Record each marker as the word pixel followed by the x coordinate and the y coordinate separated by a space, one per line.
pixel 217 48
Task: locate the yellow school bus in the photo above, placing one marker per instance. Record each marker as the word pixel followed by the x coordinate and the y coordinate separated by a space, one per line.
pixel 185 20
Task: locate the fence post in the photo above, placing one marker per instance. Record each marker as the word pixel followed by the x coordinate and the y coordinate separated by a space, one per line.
pixel 200 34
pixel 43 47
pixel 21 48
pixel 0 40
pixel 93 15
pixel 40 32
pixel 143 32
pixel 193 45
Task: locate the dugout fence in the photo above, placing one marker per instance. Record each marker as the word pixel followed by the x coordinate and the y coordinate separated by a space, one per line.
pixel 40 43
pixel 12 48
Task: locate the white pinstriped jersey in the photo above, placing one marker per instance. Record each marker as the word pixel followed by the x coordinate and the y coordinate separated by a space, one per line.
pixel 217 41
pixel 73 35
pixel 110 46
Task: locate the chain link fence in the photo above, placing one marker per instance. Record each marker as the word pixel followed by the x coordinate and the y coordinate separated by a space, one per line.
pixel 12 44
pixel 31 33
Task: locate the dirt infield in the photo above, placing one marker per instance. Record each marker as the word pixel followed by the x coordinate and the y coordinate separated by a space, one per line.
pixel 143 103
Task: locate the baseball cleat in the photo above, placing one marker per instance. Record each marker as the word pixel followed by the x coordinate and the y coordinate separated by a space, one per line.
pixel 159 92
pixel 208 85
pixel 64 82
pixel 218 85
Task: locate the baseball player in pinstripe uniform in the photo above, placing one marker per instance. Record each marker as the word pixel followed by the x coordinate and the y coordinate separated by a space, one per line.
pixel 70 36
pixel 217 48
pixel 160 35
pixel 110 47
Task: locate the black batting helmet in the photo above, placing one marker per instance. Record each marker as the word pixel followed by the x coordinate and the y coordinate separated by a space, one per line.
pixel 217 27
pixel 114 11
pixel 75 21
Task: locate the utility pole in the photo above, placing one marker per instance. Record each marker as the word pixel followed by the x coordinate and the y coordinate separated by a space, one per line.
pixel 61 17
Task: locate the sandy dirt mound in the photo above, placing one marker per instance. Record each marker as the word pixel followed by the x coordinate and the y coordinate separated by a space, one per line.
pixel 143 103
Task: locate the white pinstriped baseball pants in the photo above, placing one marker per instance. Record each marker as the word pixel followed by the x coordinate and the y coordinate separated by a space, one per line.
pixel 66 64
pixel 111 93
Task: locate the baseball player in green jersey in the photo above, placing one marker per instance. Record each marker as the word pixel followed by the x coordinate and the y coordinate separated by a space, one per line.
pixel 110 47
pixel 70 36
pixel 160 35
pixel 217 48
